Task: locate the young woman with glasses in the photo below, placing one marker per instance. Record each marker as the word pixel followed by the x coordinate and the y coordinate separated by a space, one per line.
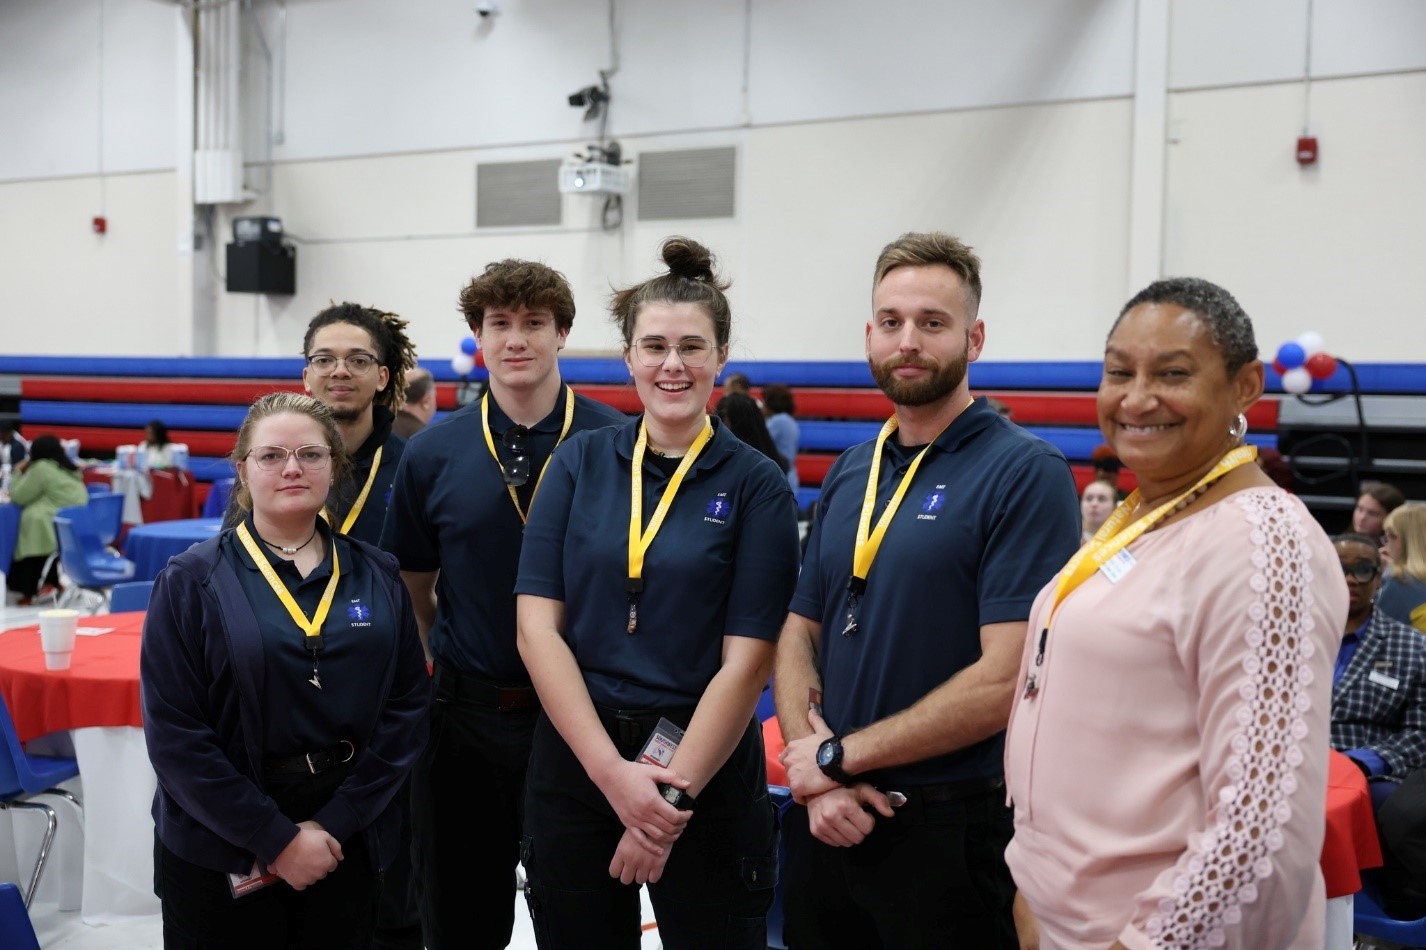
pixel 658 562
pixel 284 698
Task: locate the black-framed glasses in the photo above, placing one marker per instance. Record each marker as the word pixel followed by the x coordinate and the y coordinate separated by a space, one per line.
pixel 1363 572
pixel 516 465
pixel 273 458
pixel 692 351
pixel 358 364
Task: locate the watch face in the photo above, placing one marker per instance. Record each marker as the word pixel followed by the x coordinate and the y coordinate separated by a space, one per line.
pixel 670 794
pixel 826 752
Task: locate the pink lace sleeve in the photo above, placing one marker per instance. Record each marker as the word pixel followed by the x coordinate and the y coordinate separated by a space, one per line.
pixel 1260 640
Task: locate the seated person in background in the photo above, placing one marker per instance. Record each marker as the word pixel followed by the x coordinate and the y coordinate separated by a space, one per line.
pixel 1403 595
pixel 41 485
pixel 745 420
pixel 1379 683
pixel 420 405
pixel 779 407
pixel 1377 500
pixel 13 449
pixel 1096 504
pixel 157 450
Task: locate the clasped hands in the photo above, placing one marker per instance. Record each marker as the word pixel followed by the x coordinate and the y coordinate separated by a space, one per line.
pixel 836 815
pixel 651 824
pixel 308 858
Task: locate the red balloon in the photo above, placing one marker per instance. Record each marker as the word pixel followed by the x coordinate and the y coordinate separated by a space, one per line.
pixel 479 357
pixel 1321 365
pixel 1279 368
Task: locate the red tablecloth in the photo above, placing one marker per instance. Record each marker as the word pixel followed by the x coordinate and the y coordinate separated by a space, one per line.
pixel 101 687
pixel 173 495
pixel 1351 843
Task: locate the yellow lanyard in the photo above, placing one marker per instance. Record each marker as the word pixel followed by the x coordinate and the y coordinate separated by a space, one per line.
pixel 490 444
pixel 1113 537
pixel 639 540
pixel 311 627
pixel 354 512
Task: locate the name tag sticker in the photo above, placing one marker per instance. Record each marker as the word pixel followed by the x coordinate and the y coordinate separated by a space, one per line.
pixel 1117 566
pixel 1381 679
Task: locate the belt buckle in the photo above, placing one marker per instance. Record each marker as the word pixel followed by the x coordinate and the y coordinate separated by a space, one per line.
pixel 311 766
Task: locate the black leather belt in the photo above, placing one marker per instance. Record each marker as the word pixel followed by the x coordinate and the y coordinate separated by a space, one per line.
pixel 945 792
pixel 312 763
pixel 630 727
pixel 453 684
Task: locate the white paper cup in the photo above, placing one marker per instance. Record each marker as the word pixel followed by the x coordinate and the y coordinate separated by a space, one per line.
pixel 57 631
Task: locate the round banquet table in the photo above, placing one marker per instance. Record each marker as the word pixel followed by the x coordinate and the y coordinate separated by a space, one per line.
pixel 9 534
pixel 1349 846
pixel 97 700
pixel 150 546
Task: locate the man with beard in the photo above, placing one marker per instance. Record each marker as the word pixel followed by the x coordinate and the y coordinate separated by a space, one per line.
pixel 896 666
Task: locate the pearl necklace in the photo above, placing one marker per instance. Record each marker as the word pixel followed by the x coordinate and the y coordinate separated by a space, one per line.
pixel 291 551
pixel 1183 502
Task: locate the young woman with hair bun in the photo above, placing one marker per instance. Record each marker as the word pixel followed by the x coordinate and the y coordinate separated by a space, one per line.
pixel 657 566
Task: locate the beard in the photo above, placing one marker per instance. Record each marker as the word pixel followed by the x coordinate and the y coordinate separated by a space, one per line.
pixel 348 413
pixel 943 380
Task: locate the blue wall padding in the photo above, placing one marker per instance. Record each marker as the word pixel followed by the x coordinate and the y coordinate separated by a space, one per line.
pixel 118 414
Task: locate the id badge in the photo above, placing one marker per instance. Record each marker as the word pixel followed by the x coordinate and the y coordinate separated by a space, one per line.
pixel 661 745
pixel 254 880
pixel 1384 679
pixel 1117 566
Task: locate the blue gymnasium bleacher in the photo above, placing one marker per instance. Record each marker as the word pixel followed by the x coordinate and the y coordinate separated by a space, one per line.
pixel 106 401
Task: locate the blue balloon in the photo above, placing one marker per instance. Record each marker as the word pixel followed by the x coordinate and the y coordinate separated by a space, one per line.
pixel 1291 355
pixel 467 346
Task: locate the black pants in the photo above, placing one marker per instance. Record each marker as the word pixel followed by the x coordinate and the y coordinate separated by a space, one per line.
pixel 933 876
pixel 467 818
pixel 716 888
pixel 24 575
pixel 336 913
pixel 398 924
pixel 1401 823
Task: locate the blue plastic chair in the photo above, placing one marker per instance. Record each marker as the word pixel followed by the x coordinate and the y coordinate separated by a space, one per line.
pixel 106 514
pixel 85 561
pixel 23 775
pixel 133 595
pixel 16 931
pixel 98 488
pixel 781 797
pixel 1368 919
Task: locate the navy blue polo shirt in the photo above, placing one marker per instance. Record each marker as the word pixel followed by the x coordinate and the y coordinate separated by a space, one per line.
pixel 450 511
pixel 356 646
pixel 723 564
pixel 341 498
pixel 990 517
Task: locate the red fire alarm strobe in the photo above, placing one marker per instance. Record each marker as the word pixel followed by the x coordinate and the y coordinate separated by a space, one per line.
pixel 101 224
pixel 1307 150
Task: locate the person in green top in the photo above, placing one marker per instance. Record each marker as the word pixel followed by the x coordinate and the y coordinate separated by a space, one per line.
pixel 42 484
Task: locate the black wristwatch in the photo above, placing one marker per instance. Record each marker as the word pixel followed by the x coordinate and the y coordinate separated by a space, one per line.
pixel 676 797
pixel 829 760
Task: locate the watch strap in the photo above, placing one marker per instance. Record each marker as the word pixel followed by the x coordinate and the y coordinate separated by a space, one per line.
pixel 677 797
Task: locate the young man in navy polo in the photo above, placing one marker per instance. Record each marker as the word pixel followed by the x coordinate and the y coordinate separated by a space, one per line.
pixel 357 358
pixel 456 521
pixel 897 662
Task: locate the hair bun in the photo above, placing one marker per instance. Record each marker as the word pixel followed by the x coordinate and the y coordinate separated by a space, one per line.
pixel 687 258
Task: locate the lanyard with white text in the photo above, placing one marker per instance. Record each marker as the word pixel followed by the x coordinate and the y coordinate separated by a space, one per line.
pixel 490 444
pixel 354 512
pixel 311 627
pixel 1113 536
pixel 639 540
pixel 868 540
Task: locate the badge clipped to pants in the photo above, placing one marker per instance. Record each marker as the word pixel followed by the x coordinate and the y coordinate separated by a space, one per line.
pixel 661 745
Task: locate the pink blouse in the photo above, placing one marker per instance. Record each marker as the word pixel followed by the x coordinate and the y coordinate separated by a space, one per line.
pixel 1169 777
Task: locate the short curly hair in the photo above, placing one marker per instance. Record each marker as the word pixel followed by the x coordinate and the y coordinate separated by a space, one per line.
pixel 514 283
pixel 1228 325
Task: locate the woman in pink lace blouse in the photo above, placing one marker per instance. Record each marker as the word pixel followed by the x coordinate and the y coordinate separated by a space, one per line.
pixel 1167 752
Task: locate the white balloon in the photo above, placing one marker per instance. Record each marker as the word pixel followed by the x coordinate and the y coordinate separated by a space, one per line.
pixel 1311 342
pixel 1297 380
pixel 463 365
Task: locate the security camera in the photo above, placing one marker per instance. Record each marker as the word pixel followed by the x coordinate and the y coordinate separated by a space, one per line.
pixel 486 9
